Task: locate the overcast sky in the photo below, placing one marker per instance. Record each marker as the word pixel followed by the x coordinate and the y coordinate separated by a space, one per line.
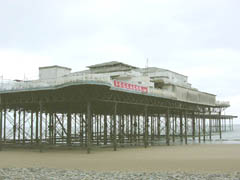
pixel 199 39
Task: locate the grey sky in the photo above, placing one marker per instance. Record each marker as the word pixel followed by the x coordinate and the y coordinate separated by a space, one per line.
pixel 197 38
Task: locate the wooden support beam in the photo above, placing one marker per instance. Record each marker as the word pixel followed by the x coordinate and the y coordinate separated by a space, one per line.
pixel 115 127
pixel 89 126
pixel 146 127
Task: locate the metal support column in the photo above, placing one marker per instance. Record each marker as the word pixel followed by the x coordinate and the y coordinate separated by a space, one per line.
pixel 69 128
pixel 5 125
pixel 193 126
pixel 36 135
pixel 14 125
pixel 115 127
pixel 105 129
pixel 146 127
pixel 1 131
pixel 89 125
pixel 41 119
pixel 173 127
pixel 186 127
pixel 167 123
pixel 181 127
pixel 24 121
pixel 31 127
pixel 220 126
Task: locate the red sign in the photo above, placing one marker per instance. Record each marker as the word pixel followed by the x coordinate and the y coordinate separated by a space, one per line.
pixel 129 86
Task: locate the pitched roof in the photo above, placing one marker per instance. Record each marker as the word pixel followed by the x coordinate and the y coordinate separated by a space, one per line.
pixel 111 63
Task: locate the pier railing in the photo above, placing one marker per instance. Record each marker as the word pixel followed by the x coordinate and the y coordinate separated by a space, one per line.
pixel 10 85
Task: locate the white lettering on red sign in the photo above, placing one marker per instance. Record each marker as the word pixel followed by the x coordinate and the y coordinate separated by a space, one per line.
pixel 129 86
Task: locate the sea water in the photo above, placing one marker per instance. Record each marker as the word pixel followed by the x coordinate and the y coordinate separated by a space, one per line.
pixel 229 137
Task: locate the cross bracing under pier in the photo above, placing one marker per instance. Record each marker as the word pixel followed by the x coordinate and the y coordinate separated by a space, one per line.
pixel 90 115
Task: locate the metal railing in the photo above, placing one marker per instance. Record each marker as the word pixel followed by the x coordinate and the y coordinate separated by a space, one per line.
pixel 10 85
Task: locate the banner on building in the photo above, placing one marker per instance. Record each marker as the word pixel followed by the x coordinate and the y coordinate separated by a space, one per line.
pixel 129 86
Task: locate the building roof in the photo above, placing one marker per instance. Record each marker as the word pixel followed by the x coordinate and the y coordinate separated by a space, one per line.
pixel 156 69
pixel 55 66
pixel 111 63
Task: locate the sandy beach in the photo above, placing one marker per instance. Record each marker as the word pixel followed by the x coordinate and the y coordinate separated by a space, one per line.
pixel 190 158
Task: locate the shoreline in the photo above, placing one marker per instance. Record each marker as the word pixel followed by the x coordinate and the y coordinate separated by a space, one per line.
pixel 199 158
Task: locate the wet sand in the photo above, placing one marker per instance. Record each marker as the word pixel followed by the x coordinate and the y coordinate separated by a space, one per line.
pixel 189 158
